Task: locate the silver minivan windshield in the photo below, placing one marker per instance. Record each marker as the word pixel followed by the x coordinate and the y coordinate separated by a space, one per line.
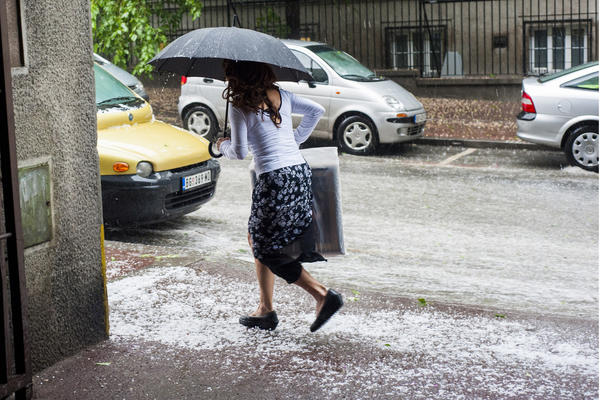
pixel 344 64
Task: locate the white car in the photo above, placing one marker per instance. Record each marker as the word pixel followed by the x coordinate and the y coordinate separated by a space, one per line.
pixel 561 110
pixel 362 110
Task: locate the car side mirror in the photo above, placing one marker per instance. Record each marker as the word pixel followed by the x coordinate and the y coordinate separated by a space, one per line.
pixel 312 84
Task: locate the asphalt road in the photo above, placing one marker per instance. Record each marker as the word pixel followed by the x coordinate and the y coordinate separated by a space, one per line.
pixel 469 274
pixel 511 229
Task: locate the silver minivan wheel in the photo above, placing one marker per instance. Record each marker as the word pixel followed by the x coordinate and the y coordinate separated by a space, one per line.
pixel 201 121
pixel 582 147
pixel 358 136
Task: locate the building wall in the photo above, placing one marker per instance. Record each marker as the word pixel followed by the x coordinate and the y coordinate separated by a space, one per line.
pixel 55 126
pixel 488 35
pixel 504 89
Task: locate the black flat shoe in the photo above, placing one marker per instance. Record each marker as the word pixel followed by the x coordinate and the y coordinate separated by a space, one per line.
pixel 333 302
pixel 267 322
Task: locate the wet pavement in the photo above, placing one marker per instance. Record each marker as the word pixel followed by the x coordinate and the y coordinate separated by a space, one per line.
pixel 488 228
pixel 469 275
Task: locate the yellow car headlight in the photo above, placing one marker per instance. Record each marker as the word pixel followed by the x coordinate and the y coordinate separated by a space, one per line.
pixel 144 169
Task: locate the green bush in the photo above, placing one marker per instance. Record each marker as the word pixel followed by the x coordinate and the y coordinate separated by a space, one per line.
pixel 131 32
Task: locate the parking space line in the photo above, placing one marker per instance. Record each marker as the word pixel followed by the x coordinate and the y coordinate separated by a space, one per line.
pixel 457 156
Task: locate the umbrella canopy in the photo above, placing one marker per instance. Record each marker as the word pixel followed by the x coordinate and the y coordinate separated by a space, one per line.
pixel 201 53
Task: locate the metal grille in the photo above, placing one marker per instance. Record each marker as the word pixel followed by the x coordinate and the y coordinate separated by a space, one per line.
pixel 434 37
pixel 415 130
pixel 186 198
pixel 187 167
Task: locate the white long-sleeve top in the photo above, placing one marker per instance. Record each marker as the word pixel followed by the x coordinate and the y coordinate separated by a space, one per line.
pixel 272 147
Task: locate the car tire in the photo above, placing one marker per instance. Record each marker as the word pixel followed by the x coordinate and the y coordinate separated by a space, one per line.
pixel 201 121
pixel 357 135
pixel 581 147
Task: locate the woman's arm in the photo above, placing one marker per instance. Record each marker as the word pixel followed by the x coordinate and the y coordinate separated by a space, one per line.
pixel 237 147
pixel 312 113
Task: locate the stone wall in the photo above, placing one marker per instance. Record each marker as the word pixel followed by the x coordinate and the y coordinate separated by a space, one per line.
pixel 507 88
pixel 55 124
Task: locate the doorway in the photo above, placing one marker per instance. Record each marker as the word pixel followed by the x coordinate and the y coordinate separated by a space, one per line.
pixel 15 364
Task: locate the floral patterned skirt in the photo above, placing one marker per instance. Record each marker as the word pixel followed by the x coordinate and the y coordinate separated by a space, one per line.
pixel 281 208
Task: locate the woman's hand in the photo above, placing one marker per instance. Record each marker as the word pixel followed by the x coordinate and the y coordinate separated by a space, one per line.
pixel 221 140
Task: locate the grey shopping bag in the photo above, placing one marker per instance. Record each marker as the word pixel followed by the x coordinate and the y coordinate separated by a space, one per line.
pixel 327 236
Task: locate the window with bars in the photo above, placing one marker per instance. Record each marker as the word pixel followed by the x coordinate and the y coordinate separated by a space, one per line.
pixel 557 47
pixel 413 48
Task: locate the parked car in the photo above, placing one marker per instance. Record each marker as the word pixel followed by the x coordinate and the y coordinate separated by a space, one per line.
pixel 362 110
pixel 561 110
pixel 150 171
pixel 125 77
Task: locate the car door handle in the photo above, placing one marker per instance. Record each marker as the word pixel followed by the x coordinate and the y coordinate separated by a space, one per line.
pixel 208 80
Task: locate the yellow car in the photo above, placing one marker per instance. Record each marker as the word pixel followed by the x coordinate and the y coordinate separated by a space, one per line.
pixel 150 171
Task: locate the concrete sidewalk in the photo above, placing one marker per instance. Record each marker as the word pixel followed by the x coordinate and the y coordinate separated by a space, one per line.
pixel 174 335
pixel 483 144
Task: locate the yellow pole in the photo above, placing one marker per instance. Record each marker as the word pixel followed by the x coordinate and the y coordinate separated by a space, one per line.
pixel 106 311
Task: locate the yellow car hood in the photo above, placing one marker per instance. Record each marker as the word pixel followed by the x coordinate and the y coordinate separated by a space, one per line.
pixel 164 146
pixel 124 114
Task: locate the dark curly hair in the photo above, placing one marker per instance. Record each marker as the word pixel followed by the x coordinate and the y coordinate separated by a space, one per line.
pixel 247 85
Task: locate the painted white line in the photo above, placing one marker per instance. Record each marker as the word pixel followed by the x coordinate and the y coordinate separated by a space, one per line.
pixel 457 156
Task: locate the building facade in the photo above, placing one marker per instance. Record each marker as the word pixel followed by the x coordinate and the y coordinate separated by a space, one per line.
pixel 424 43
pixel 58 175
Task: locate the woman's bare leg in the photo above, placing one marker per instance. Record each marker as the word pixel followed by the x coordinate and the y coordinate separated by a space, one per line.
pixel 266 282
pixel 313 287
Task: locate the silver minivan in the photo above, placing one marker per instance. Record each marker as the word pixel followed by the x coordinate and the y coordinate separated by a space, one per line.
pixel 362 110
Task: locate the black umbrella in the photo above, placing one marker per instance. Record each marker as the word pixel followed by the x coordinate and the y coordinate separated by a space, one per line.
pixel 201 53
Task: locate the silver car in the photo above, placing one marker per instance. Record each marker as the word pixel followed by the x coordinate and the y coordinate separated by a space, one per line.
pixel 123 76
pixel 362 110
pixel 561 110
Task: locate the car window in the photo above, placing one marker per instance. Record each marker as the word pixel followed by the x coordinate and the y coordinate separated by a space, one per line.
pixel 344 64
pixel 319 75
pixel 588 82
pixel 111 92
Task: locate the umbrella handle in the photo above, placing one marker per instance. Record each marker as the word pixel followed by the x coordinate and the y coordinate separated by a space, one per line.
pixel 213 152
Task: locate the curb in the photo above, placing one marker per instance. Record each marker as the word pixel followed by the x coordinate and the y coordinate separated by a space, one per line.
pixel 482 144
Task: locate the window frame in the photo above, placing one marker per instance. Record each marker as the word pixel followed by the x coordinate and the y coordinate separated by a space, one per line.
pixel 567 49
pixel 414 56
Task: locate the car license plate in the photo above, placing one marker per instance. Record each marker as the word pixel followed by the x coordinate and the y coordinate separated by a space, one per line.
pixel 192 181
pixel 420 118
